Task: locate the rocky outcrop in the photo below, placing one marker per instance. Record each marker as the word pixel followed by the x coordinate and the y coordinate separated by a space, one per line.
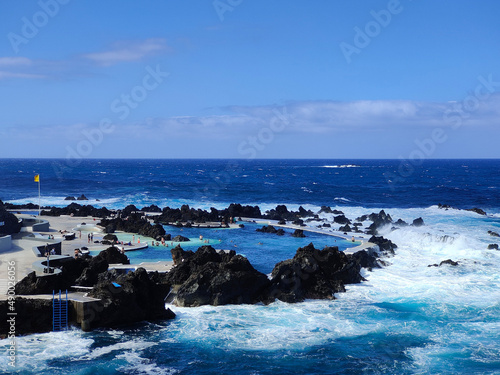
pixel 493 246
pixel 386 246
pixel 131 298
pixel 152 208
pixel 180 238
pixel 70 198
pixel 328 210
pixel 271 229
pixel 10 222
pixel 208 277
pixel 447 261
pixel 298 233
pixel 418 222
pixel 33 316
pixel 74 209
pixel 134 223
pixel 478 211
pixel 493 234
pixel 237 210
pixel 313 274
pixel 80 271
pixel 281 213
pixel 379 220
pixel 345 228
pixel 341 219
pixel 82 198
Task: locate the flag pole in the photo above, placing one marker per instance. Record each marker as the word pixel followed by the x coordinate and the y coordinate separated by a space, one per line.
pixel 39 209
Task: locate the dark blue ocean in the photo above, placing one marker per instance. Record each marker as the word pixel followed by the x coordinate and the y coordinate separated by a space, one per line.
pixel 406 318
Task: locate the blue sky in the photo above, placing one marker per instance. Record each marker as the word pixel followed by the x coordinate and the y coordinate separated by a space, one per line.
pixel 250 79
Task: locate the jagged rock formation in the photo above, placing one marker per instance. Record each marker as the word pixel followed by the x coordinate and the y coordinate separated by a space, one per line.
pixel 315 274
pixel 10 222
pixel 134 223
pixel 215 278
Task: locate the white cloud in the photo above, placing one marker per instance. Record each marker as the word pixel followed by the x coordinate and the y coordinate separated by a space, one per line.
pixel 15 61
pixel 6 75
pixel 125 51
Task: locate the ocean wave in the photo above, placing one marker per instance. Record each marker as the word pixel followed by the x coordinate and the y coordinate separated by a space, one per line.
pixel 341 166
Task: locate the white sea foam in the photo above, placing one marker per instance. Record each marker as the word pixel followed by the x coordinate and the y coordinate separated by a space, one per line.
pixel 342 166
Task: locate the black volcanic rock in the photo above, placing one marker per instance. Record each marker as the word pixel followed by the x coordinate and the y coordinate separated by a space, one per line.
pixel 131 298
pixel 216 278
pixel 402 223
pixel 345 228
pixel 129 210
pixel 477 211
pixel 298 233
pixel 341 219
pixel 493 246
pixel 180 238
pixel 77 210
pixel 70 198
pixel 27 309
pixel 82 198
pixel 134 223
pixel 385 245
pixel 11 224
pixel 267 229
pixel 418 222
pixel 447 261
pixel 379 220
pixel 493 234
pixel 80 271
pixel 237 210
pixel 313 274
pixel 110 237
pixel 152 208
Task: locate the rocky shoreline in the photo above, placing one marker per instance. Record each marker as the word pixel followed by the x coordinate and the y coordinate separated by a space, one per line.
pixel 204 277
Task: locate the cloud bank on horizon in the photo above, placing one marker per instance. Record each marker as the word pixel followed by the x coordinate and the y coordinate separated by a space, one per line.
pixel 229 79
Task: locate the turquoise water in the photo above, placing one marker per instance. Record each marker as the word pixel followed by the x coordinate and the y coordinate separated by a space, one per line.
pixel 263 250
pixel 407 318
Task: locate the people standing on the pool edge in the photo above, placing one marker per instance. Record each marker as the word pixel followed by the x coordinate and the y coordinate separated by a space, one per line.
pixel 133 238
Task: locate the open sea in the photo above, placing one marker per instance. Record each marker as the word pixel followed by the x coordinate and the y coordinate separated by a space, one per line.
pixel 407 318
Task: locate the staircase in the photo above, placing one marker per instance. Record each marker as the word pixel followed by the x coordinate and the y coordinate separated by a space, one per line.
pixel 59 312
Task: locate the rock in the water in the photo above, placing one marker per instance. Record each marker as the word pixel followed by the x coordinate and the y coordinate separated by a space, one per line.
pixel 70 198
pixel 267 229
pixel 313 274
pixel 379 220
pixel 418 222
pixel 341 219
pixel 447 261
pixel 131 298
pixel 493 234
pixel 493 246
pixel 345 228
pixel 298 233
pixel 82 198
pixel 477 211
pixel 180 238
pixel 385 245
pixel 216 278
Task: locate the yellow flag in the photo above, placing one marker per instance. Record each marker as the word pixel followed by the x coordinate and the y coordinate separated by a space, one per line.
pixel 37 178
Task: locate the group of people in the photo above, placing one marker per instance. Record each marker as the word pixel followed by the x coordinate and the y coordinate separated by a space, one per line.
pixel 90 237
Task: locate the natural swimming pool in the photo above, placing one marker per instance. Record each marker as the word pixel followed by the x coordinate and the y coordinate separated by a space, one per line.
pixel 263 250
